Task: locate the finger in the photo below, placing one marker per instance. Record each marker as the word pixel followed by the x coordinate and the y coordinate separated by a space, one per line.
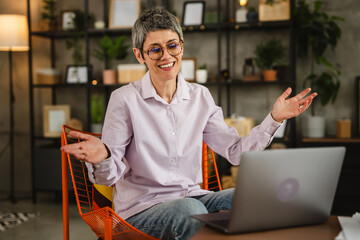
pixel 76 134
pixel 302 94
pixel 310 97
pixel 286 93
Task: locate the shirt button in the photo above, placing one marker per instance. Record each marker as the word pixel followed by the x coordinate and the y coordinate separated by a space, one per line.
pixel 168 107
pixel 173 133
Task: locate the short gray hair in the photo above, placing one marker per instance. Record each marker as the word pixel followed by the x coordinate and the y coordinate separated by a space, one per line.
pixel 153 19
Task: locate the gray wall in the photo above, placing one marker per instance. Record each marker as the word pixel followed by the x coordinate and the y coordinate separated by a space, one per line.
pixel 253 101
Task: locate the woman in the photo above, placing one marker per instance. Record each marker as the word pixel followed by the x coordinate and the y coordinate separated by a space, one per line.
pixel 153 133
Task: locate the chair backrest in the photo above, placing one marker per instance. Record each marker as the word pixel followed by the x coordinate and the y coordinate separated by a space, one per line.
pixel 92 197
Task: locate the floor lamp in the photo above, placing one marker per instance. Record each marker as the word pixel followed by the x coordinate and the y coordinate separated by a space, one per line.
pixel 14 38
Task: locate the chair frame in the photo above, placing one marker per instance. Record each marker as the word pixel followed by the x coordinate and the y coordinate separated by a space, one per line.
pixel 105 221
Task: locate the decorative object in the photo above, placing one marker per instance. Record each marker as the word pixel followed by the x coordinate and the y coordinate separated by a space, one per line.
pixel 130 72
pixel 54 116
pixel 201 74
pixel 188 68
pixel 267 56
pixel 99 24
pixel 67 20
pixel 123 13
pixel 193 13
pixel 241 12
pixel 243 125
pixel 14 38
pixel 252 15
pixel 312 43
pixel 97 112
pixel 315 127
pixel 75 123
pixel 274 10
pixel 249 71
pixel 48 21
pixel 343 128
pixel 108 50
pixel 47 76
pixel 12 219
pixel 77 73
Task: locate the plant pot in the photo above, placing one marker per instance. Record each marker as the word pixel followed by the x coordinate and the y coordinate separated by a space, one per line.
pixel 48 25
pixel 201 75
pixel 96 127
pixel 109 77
pixel 315 127
pixel 269 75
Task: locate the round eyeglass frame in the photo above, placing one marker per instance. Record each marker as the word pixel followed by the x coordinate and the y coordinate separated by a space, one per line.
pixel 162 51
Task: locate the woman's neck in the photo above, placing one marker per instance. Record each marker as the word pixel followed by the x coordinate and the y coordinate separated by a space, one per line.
pixel 165 89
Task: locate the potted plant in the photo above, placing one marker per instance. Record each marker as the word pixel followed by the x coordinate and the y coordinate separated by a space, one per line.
pixel 267 55
pixel 108 50
pixel 316 31
pixel 201 74
pixel 48 20
pixel 97 112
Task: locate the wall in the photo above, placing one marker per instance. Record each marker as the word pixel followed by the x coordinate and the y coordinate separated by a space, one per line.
pixel 256 102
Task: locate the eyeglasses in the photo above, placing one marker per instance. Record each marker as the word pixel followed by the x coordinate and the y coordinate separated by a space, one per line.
pixel 157 52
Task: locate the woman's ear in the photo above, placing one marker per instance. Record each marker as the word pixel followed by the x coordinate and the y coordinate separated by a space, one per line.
pixel 138 55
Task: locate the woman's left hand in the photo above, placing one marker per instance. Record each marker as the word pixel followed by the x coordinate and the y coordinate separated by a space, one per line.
pixel 287 108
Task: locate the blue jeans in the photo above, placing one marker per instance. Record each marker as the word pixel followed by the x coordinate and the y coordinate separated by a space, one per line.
pixel 171 220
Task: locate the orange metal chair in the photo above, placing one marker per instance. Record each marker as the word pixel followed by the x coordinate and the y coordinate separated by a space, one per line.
pixel 104 222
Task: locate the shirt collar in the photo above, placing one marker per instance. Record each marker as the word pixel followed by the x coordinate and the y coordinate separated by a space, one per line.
pixel 148 90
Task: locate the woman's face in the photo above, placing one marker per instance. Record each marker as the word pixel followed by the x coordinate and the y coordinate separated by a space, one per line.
pixel 167 66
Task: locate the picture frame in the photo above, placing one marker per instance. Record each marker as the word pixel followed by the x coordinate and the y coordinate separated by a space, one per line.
pixel 67 20
pixel 193 13
pixel 123 13
pixel 188 69
pixel 54 116
pixel 77 73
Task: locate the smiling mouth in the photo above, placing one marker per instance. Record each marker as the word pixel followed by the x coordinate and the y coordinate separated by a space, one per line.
pixel 167 65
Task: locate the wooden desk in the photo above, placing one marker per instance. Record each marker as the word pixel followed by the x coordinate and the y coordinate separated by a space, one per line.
pixel 326 231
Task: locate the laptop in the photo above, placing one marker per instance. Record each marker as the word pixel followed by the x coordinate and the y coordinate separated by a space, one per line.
pixel 281 188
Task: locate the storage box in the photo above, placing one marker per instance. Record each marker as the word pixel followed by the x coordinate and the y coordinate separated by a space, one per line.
pixel 130 72
pixel 47 76
pixel 243 125
pixel 343 128
pixel 279 11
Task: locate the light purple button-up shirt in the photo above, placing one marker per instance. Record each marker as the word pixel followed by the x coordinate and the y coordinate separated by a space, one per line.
pixel 156 147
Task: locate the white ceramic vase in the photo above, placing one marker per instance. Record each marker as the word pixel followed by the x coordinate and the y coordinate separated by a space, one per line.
pixel 201 75
pixel 315 127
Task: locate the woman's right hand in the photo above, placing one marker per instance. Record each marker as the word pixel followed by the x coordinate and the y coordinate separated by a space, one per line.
pixel 91 149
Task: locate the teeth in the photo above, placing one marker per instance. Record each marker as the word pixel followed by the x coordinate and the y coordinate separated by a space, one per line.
pixel 167 65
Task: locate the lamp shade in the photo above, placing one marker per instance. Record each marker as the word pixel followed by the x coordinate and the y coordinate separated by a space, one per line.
pixel 14 33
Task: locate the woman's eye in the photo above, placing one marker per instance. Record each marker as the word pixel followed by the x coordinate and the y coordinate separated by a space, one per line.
pixel 155 50
pixel 172 46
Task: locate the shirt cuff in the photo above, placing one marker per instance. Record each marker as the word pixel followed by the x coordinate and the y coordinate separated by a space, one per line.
pixel 103 164
pixel 269 125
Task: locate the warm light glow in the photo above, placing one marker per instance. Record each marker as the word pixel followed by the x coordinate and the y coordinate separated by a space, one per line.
pixel 243 2
pixel 14 33
pixel 94 82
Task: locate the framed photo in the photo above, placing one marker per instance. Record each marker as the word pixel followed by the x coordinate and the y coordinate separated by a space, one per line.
pixel 67 20
pixel 188 69
pixel 193 13
pixel 123 13
pixel 77 74
pixel 54 116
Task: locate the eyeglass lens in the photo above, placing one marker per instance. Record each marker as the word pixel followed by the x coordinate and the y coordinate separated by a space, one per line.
pixel 156 53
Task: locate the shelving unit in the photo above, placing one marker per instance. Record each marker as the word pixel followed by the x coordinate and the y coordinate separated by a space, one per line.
pixel 219 29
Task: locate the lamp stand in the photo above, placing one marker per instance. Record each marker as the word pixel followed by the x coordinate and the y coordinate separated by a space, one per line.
pixel 12 158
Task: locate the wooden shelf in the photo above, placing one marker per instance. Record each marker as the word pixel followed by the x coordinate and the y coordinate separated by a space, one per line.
pixel 331 140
